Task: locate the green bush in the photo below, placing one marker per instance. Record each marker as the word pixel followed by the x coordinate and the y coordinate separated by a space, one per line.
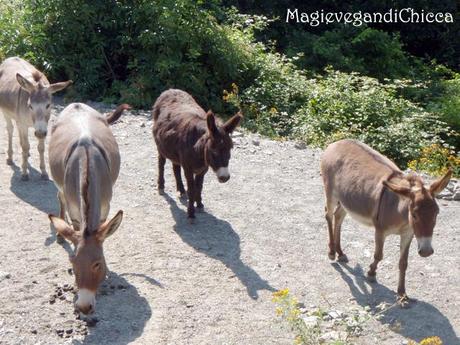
pixel 133 50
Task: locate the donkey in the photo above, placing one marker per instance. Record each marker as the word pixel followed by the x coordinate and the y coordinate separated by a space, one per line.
pixel 374 191
pixel 84 162
pixel 25 97
pixel 192 139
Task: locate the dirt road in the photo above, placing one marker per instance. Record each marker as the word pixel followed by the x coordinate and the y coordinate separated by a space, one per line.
pixel 212 282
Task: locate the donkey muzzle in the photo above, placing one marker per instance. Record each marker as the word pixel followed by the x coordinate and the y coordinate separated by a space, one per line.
pixel 223 174
pixel 86 301
pixel 424 246
pixel 40 134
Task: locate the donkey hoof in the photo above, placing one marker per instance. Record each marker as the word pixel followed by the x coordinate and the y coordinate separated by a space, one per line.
pixel 44 176
pixel 403 300
pixel 9 161
pixel 371 278
pixel 161 191
pixel 331 256
pixel 342 258
pixel 25 177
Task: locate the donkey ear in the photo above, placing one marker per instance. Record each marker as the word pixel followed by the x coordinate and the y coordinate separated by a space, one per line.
pixel 233 122
pixel 109 227
pixel 59 86
pixel 441 183
pixel 64 229
pixel 211 121
pixel 25 84
pixel 398 189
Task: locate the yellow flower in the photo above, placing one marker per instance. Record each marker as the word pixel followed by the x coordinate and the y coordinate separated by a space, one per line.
pixel 281 293
pixel 431 341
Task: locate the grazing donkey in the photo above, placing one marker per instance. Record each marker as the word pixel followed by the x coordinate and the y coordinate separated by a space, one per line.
pixel 375 192
pixel 85 162
pixel 25 97
pixel 192 139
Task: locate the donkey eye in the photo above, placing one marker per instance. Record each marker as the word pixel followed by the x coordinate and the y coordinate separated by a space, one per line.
pixel 97 266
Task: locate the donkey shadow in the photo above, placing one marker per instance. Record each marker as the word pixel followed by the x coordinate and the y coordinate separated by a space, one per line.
pixel 122 313
pixel 216 239
pixel 419 321
pixel 39 193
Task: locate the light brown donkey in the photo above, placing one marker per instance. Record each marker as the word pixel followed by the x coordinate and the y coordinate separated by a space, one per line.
pixel 25 97
pixel 374 191
pixel 85 162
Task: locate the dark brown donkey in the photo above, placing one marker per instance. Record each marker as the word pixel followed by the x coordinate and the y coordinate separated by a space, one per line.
pixel 192 139
pixel 373 191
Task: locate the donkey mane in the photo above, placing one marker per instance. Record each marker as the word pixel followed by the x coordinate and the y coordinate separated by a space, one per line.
pixel 84 187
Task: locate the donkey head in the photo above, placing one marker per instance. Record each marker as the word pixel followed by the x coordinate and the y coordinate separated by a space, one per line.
pixel 88 261
pixel 423 208
pixel 219 144
pixel 39 101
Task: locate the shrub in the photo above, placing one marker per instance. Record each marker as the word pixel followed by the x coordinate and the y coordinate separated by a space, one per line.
pixel 436 160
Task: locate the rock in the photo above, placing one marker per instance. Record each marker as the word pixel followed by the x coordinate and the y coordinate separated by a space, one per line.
pixel 34 331
pixel 335 314
pixel 456 195
pixel 92 321
pixel 4 275
pixel 237 134
pixel 142 124
pixel 311 321
pixel 256 142
pixel 300 145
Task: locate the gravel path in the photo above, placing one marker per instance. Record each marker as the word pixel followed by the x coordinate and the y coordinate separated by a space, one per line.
pixel 212 282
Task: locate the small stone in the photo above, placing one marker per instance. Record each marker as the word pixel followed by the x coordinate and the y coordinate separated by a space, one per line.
pixel 91 322
pixel 456 196
pixel 34 331
pixel 34 282
pixel 256 142
pixel 69 330
pixel 4 275
pixel 311 321
pixel 142 124
pixel 52 299
pixel 300 145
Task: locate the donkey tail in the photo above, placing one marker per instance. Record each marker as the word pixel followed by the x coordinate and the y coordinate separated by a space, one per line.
pixel 117 113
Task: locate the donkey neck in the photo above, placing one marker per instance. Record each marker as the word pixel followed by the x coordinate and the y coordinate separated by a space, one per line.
pixel 199 150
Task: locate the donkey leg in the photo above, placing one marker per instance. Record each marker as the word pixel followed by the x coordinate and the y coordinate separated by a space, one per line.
pixel 191 194
pixel 199 187
pixel 404 246
pixel 161 174
pixel 24 140
pixel 9 129
pixel 378 255
pixel 339 215
pixel 179 185
pixel 329 217
pixel 41 151
pixel 60 196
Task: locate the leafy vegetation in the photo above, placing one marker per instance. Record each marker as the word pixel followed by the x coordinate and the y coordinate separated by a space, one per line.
pixel 316 85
